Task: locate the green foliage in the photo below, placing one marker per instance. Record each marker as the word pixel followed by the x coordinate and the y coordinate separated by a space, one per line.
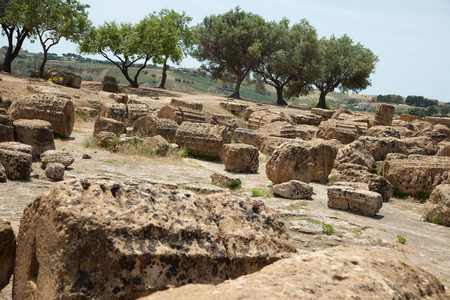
pixel 420 101
pixel 391 98
pixel 234 186
pixel 422 196
pixel 327 228
pixel 260 193
pixel 436 219
pixel 89 142
pixel 445 110
pixel 286 53
pixel 226 43
pixel 342 65
pixel 377 171
pixel 401 239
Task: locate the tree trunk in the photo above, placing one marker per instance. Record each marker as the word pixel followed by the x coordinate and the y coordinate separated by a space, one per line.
pixel 44 61
pixel 162 85
pixel 280 100
pixel 10 53
pixel 237 87
pixel 322 103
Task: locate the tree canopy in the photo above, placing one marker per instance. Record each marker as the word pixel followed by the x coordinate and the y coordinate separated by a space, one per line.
pixel 287 54
pixel 67 18
pixel 225 44
pixel 341 65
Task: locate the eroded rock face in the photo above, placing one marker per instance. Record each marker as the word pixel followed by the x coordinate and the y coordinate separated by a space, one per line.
pixel 151 126
pixel 346 198
pixel 3 177
pixel 444 148
pixel 384 114
pixel 105 138
pixel 437 207
pixel 68 79
pixel 7 252
pixel 202 139
pixel 248 136
pixel 343 131
pixel 225 181
pixel 6 129
pixel 116 241
pixel 240 158
pixel 55 171
pixel 18 165
pixel 293 189
pixel 416 173
pixel 110 125
pixel 158 144
pixel 383 132
pixel 355 153
pixel 281 129
pixel 56 156
pixel 58 111
pixel 110 84
pixel 344 272
pixel 271 143
pixel 260 118
pixel 36 133
pixel 181 114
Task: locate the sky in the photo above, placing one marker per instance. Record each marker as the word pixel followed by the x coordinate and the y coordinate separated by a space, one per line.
pixel 410 37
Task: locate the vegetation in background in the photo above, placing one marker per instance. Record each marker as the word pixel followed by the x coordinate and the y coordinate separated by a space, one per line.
pixel 391 99
pixel 260 193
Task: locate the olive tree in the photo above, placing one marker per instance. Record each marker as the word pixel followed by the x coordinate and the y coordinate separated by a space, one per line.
pixel 225 43
pixel 287 54
pixel 342 65
pixel 67 18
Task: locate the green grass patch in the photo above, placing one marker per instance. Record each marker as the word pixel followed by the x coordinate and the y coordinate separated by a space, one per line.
pixel 328 229
pixel 261 193
pixel 401 239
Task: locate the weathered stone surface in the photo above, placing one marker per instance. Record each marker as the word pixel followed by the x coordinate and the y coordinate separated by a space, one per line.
pixel 384 114
pixel 409 118
pixel 16 146
pixel 68 79
pixel 47 90
pixel 240 158
pixel 110 84
pixel 17 164
pixel 416 173
pixel 120 98
pixel 361 174
pixel 346 198
pixel 55 171
pixel 181 114
pixel 251 109
pixel 117 241
pixel 343 131
pixel 105 138
pixel 110 125
pixel 437 207
pixel 36 133
pixel 158 144
pixel 202 139
pixel 151 126
pixel 7 252
pixel 3 177
pixel 225 181
pixel 307 118
pixel 248 136
pixel 56 156
pixel 260 118
pixel 192 105
pixel 383 132
pixel 305 132
pixel 234 108
pixel 303 161
pixel 6 129
pixel 58 111
pixel 355 153
pixel 271 143
pixel 87 112
pixel 219 119
pixel 117 112
pixel 135 112
pixel 234 124
pixel 438 120
pixel 293 189
pixel 344 272
pixel 325 113
pixel 444 148
pixel 281 129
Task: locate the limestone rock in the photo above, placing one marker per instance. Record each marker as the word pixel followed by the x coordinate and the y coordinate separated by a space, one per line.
pixel 444 148
pixel 360 201
pixel 343 131
pixel 105 138
pixel 56 156
pixel 58 111
pixel 325 113
pixel 16 146
pixel 151 126
pixel 240 158
pixel 118 241
pixel 225 181
pixel 36 133
pixel 307 118
pixel 248 136
pixel 439 120
pixel 158 144
pixel 55 171
pixel 68 79
pixel 323 154
pixel 6 129
pixel 416 173
pixel 409 118
pixel 7 252
pixel 293 189
pixel 181 114
pixel 383 132
pixel 355 153
pixel 234 108
pixel 18 165
pixel 109 125
pixel 344 272
pixel 116 111
pixel 192 105
pixel 3 177
pixel 384 114
pixel 305 132
pixel 120 98
pixel 281 129
pixel 202 139
pixel 260 118
pixel 271 143
pixel 437 207
pixel 136 111
pixel 110 84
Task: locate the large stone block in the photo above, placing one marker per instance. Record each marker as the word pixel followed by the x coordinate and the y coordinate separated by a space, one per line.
pixel 109 125
pixel 151 126
pixel 7 252
pixel 97 239
pixel 18 165
pixel 58 111
pixel 240 158
pixel 437 207
pixel 384 114
pixel 202 139
pixel 293 189
pixel 36 133
pixel 346 198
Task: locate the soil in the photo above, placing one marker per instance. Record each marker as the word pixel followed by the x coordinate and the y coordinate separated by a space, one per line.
pixel 427 244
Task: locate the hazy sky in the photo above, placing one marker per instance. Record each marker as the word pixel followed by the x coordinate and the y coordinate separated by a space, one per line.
pixel 410 37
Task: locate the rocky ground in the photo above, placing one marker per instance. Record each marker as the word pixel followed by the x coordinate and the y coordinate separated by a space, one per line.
pixel 427 244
